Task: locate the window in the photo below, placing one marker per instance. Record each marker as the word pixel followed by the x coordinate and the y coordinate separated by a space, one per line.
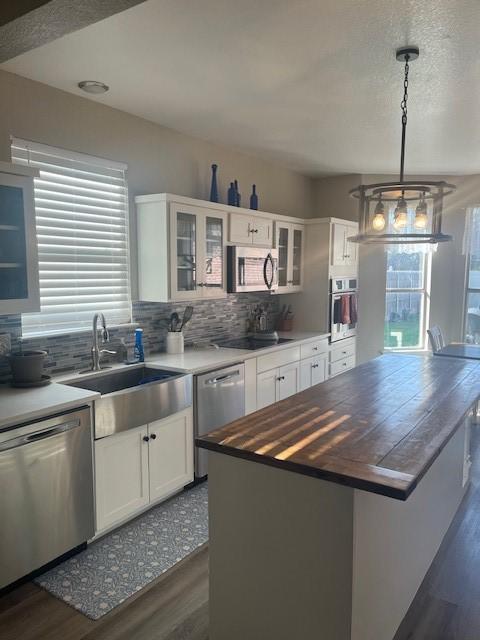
pixel 472 296
pixel 81 209
pixel 407 296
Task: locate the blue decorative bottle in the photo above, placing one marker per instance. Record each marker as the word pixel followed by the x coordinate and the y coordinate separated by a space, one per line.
pixel 213 186
pixel 138 348
pixel 237 195
pixel 232 196
pixel 254 198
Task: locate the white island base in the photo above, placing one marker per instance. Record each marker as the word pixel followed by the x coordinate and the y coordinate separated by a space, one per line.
pixel 297 558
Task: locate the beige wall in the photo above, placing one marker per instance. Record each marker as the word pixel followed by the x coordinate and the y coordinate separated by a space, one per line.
pixel 159 159
pixel 332 197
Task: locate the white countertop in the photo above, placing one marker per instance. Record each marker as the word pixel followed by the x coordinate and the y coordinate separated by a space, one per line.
pixel 25 405
pixel 198 360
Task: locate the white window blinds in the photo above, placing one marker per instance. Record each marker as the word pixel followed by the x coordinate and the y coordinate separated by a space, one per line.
pixel 81 208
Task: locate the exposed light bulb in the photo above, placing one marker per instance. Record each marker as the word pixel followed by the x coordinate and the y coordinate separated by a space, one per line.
pixel 400 215
pixel 378 222
pixel 421 219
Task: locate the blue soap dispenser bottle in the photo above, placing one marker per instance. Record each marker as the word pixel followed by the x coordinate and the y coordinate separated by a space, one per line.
pixel 138 348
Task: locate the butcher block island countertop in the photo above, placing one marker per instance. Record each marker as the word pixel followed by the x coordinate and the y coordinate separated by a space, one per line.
pixel 378 427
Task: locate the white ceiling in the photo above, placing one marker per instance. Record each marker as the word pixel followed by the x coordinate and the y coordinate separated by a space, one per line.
pixel 312 84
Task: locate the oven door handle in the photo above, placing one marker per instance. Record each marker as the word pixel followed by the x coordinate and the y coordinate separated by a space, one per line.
pixel 268 259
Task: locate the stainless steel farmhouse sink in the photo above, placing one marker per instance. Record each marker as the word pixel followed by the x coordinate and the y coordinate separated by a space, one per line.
pixel 133 397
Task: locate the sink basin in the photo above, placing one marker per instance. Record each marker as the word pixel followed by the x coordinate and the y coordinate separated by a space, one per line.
pixel 135 397
pixel 114 381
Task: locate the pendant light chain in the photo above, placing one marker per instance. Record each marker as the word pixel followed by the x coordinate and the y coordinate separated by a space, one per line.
pixel 403 106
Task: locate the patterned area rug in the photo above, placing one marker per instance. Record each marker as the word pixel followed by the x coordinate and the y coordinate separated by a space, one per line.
pixel 121 563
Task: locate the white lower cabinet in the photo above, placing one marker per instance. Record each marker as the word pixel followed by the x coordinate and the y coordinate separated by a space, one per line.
pixel 277 384
pixel 313 371
pixel 267 388
pixel 342 356
pixel 170 454
pixel 289 380
pixel 121 476
pixel 141 466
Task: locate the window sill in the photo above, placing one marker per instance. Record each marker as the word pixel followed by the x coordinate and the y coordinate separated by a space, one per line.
pixel 73 332
pixel 413 350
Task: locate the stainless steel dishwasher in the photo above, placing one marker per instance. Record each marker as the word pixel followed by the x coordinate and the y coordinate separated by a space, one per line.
pixel 219 399
pixel 46 497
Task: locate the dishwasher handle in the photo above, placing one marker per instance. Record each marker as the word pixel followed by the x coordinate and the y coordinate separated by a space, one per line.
pixel 42 434
pixel 227 376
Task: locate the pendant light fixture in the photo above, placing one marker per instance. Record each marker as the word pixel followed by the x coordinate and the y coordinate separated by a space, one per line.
pixel 416 206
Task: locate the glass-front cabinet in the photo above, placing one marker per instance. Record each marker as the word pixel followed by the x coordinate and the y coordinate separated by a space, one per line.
pixel 197 253
pixel 19 287
pixel 289 242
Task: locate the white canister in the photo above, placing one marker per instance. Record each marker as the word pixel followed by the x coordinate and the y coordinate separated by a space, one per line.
pixel 175 342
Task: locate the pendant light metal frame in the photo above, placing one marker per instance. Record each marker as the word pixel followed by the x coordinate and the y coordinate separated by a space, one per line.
pixel 410 190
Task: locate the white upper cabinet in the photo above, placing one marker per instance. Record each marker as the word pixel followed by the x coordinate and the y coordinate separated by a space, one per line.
pixel 181 250
pixel 197 253
pixel 289 240
pixel 343 252
pixel 19 284
pixel 254 230
pixel 182 246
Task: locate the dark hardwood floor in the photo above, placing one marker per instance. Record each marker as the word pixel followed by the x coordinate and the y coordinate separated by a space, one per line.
pixel 175 607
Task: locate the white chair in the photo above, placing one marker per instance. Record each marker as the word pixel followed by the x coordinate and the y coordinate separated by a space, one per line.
pixel 435 338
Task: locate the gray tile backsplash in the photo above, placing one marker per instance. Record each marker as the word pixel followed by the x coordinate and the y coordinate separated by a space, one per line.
pixel 213 320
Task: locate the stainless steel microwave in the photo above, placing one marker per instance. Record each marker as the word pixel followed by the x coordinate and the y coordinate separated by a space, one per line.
pixel 251 269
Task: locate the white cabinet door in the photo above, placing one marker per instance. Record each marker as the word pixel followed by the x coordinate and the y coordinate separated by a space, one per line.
pixel 121 476
pixel 290 243
pixel 19 284
pixel 296 258
pixel 197 253
pixel 267 383
pixel 250 385
pixel 350 247
pixel 319 369
pixel 240 229
pixel 170 454
pixel 262 232
pixel 186 233
pixel 283 245
pixel 338 250
pixel 249 230
pixel 306 374
pixel 288 380
pixel 212 273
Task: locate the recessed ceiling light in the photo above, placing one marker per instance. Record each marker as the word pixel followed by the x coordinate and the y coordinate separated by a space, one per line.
pixel 92 86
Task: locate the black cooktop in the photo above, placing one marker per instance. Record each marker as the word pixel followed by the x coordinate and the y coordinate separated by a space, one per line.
pixel 252 344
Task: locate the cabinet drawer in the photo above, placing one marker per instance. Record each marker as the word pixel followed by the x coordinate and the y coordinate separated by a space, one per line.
pixel 341 365
pixel 342 352
pixel 277 359
pixel 313 348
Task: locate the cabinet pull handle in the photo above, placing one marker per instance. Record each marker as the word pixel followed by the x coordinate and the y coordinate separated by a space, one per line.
pixel 314 366
pixel 254 230
pixel 280 378
pixel 315 348
pixel 146 438
pixel 153 436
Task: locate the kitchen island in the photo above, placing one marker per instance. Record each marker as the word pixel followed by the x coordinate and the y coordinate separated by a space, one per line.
pixel 326 509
